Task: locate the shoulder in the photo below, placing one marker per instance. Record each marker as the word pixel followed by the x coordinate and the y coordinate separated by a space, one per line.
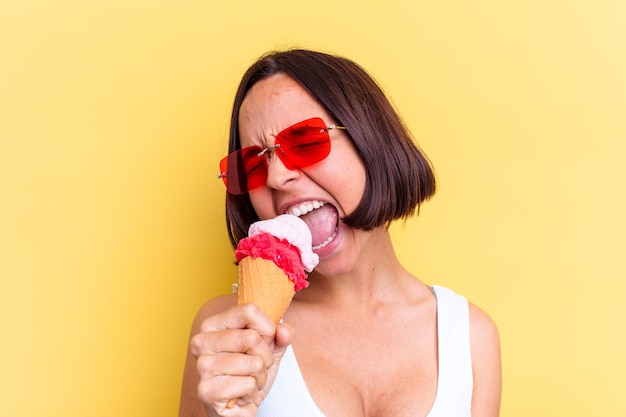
pixel 483 328
pixel 213 306
pixel 484 340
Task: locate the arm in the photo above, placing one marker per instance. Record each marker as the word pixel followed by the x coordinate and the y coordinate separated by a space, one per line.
pixel 486 366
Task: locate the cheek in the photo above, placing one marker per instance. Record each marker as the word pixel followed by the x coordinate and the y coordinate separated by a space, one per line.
pixel 262 203
pixel 353 186
pixel 346 181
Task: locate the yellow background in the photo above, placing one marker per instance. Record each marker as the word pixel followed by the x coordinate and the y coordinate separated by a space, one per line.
pixel 114 114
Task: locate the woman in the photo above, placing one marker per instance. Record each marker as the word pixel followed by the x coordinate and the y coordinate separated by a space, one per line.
pixel 366 338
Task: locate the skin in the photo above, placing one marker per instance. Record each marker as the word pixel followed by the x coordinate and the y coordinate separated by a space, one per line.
pixel 359 295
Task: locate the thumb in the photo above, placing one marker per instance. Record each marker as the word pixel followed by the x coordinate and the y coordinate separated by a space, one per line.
pixel 284 335
pixel 283 338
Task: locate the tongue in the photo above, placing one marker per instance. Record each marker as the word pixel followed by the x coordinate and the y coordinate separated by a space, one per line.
pixel 322 223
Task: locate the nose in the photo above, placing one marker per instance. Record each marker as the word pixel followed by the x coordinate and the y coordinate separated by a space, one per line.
pixel 278 175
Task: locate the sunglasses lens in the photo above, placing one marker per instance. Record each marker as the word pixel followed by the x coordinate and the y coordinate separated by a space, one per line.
pixel 300 146
pixel 304 144
pixel 243 170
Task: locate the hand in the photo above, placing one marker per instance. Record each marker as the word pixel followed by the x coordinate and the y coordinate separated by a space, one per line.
pixel 237 354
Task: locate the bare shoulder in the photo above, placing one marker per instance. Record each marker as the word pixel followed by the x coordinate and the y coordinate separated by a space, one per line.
pixel 213 306
pixel 483 328
pixel 486 363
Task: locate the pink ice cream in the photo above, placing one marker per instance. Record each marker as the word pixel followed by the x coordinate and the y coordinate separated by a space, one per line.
pixel 286 241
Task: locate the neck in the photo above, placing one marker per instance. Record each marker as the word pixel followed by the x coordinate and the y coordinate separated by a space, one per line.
pixel 376 278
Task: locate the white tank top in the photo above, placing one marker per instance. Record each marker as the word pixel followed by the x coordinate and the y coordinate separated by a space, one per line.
pixel 289 396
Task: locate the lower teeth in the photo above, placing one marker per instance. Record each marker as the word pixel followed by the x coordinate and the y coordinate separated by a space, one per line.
pixel 326 242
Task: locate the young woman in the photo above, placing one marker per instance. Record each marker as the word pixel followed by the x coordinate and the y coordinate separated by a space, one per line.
pixel 366 338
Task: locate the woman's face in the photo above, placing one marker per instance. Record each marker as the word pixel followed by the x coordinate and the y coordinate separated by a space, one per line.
pixel 321 193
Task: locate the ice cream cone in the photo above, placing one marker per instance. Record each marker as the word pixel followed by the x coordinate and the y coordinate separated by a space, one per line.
pixel 263 283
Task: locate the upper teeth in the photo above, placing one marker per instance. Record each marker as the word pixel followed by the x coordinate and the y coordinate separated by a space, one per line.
pixel 304 208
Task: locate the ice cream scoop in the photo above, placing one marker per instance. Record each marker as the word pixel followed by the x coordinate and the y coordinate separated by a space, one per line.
pixel 273 263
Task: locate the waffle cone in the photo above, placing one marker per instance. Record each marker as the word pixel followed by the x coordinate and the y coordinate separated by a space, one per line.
pixel 263 283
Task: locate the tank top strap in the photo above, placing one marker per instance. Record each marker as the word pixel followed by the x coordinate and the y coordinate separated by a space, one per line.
pixel 455 378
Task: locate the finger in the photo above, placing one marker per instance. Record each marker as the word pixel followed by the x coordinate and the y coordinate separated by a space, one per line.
pixel 247 316
pixel 246 341
pixel 240 408
pixel 217 393
pixel 224 365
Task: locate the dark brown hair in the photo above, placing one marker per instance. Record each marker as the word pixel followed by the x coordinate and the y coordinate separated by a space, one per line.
pixel 398 175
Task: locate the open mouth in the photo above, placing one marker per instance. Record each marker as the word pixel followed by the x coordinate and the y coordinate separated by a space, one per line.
pixel 322 219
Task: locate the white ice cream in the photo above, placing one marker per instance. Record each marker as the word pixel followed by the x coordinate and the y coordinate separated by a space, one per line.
pixel 295 231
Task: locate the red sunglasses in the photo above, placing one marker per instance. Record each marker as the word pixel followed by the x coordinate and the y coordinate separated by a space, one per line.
pixel 298 146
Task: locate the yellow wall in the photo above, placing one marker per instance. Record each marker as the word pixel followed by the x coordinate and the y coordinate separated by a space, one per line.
pixel 114 114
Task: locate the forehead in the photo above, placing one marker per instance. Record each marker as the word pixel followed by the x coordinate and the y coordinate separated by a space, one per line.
pixel 274 104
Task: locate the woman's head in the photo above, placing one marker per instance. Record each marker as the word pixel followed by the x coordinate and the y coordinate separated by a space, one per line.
pixel 398 176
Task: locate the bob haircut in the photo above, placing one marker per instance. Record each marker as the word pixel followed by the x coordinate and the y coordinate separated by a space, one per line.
pixel 399 176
